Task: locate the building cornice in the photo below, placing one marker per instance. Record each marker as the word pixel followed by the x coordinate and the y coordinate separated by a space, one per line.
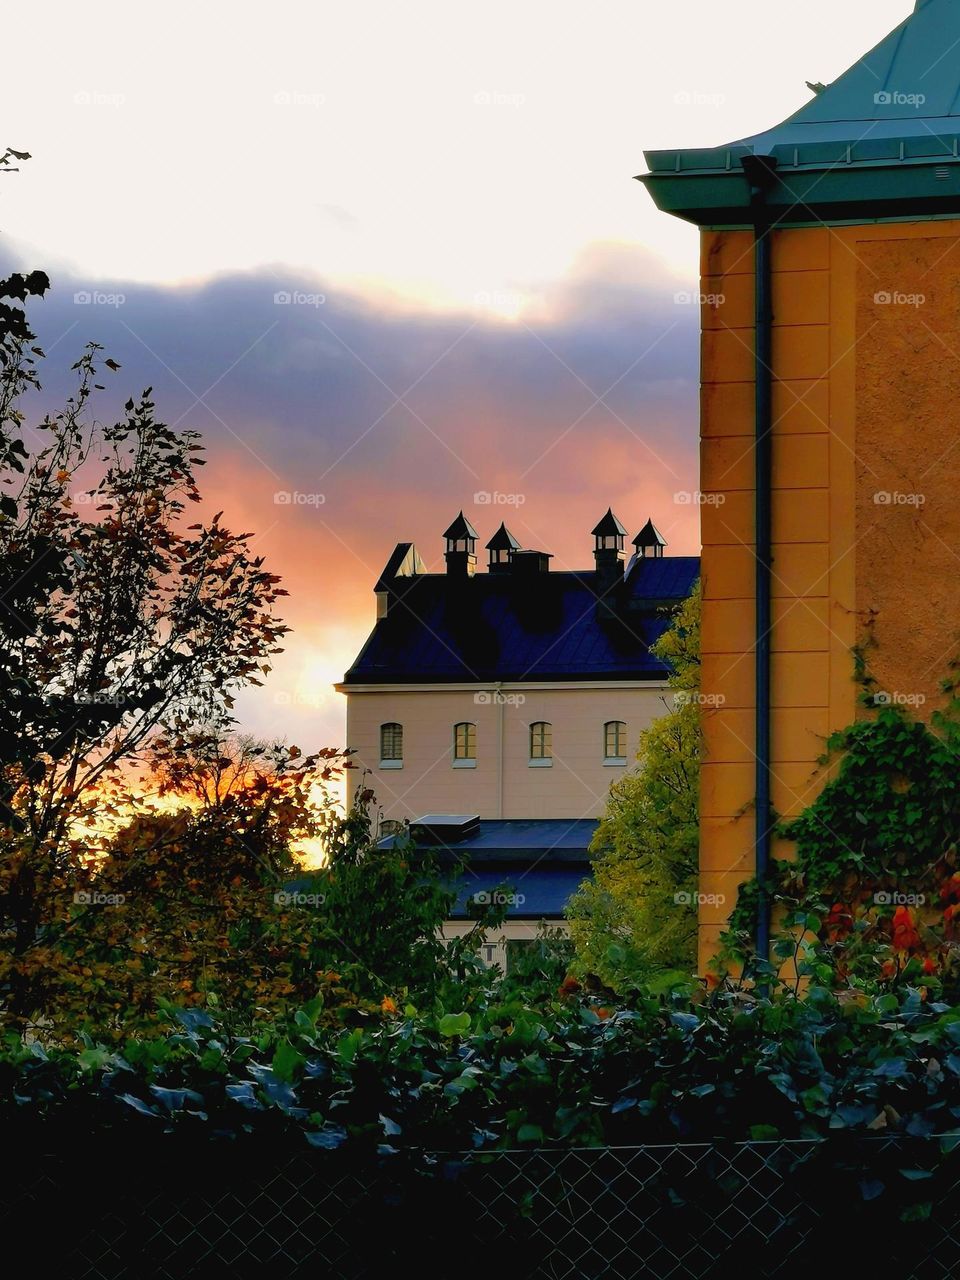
pixel 506 686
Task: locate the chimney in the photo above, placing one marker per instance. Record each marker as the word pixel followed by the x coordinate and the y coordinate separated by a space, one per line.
pixel 608 538
pixel 461 554
pixel 503 546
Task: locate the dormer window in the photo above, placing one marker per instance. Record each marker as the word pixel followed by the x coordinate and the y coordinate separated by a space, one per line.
pixel 541 744
pixel 615 742
pixel 391 745
pixel 465 745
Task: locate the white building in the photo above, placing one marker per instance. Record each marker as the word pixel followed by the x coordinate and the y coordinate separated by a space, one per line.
pixel 515 693
pixel 513 697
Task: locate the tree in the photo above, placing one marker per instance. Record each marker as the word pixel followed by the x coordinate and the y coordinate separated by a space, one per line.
pixel 125 631
pixel 135 624
pixel 151 623
pixel 18 287
pixel 119 620
pixel 23 581
pixel 638 914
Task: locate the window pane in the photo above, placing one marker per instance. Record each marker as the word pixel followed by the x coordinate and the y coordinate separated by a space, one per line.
pixel 391 742
pixel 615 739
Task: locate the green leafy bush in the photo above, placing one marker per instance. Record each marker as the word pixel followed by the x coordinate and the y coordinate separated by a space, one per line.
pixel 502 1073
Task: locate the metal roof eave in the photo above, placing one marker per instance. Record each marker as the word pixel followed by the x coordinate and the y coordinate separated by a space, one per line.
pixel 828 192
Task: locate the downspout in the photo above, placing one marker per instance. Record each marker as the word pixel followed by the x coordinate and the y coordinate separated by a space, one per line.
pixel 499 697
pixel 760 172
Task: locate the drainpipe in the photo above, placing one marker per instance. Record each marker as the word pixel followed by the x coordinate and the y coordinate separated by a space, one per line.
pixel 760 172
pixel 499 696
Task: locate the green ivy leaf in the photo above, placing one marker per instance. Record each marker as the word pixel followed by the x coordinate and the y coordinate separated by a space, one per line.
pixel 287 1060
pixel 764 1133
pixel 454 1024
pixel 93 1059
pixel 529 1133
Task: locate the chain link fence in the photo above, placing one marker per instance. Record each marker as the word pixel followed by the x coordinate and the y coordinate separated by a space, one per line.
pixel 165 1210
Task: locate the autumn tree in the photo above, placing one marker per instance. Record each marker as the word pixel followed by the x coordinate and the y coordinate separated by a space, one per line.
pixel 121 619
pixel 638 914
pixel 207 905
pixel 187 903
pixel 125 630
pixel 152 623
pixel 22 580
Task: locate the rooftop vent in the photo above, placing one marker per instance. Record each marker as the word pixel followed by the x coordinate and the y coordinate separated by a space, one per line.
pixel 650 541
pixel 530 563
pixel 503 546
pixel 444 828
pixel 461 553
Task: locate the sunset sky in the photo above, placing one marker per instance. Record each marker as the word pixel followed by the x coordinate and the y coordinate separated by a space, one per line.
pixel 479 299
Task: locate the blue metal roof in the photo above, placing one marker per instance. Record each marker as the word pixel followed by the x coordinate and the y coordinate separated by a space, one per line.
pixel 542 861
pixel 507 627
pixel 518 840
pixel 541 893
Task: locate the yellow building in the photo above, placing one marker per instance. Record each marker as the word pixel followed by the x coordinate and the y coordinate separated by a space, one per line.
pixel 830 368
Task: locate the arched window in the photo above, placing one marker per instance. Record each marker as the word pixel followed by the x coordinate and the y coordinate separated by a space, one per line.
pixel 464 743
pixel 391 745
pixel 541 742
pixel 615 742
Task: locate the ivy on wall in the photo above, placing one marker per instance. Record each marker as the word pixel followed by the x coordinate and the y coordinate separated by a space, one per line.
pixel 876 875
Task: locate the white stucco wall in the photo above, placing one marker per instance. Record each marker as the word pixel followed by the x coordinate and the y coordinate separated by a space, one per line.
pixel 493 949
pixel 503 784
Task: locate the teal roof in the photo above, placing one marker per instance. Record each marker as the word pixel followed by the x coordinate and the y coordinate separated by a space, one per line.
pixel 908 85
pixel 882 141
